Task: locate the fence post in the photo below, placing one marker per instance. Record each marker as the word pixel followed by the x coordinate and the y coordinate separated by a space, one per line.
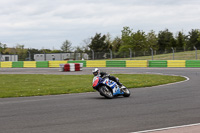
pixel 195 52
pixel 130 53
pixel 92 54
pixel 110 54
pixel 0 56
pixel 14 56
pixel 173 52
pixel 29 55
pixel 44 55
pixel 151 53
pixel 61 56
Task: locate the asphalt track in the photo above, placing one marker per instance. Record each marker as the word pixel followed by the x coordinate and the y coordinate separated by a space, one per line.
pixel 146 109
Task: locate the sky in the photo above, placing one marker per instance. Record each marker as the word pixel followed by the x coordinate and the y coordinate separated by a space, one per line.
pixel 47 24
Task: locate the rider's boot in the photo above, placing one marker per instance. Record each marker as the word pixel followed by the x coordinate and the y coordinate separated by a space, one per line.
pixel 120 84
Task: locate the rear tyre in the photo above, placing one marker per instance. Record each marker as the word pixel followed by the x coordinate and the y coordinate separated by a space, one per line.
pixel 106 92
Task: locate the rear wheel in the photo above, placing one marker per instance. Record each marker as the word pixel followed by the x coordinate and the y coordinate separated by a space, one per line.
pixel 106 92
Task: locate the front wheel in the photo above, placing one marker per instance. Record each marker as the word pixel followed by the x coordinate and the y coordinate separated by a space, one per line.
pixel 106 92
pixel 126 91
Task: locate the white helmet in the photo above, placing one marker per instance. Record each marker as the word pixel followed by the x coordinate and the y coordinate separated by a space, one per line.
pixel 96 71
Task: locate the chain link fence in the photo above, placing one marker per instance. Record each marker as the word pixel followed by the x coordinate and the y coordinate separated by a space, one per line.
pixel 167 54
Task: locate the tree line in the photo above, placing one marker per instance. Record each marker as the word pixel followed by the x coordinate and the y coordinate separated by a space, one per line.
pixel 129 40
pixel 141 41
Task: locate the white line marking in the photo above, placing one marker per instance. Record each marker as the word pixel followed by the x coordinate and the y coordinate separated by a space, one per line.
pixel 167 128
pixel 187 79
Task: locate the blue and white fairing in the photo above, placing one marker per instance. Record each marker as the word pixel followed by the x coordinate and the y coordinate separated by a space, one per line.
pixel 113 85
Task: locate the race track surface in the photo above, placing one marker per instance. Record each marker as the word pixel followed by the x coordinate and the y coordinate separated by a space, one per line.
pixel 146 109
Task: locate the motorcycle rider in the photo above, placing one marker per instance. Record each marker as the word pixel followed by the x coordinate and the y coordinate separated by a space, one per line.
pixel 96 72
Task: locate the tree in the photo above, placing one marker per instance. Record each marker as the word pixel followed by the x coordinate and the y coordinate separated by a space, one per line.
pixel 66 46
pixel 79 49
pixel 126 40
pixel 181 40
pixel 22 53
pixel 109 41
pixel 2 47
pixel 46 50
pixel 152 40
pixel 86 42
pixel 56 51
pixel 98 43
pixel 193 39
pixel 198 38
pixel 134 40
pixel 165 40
pixel 139 41
pixel 127 36
pixel 116 43
pixel 85 45
pixel 33 51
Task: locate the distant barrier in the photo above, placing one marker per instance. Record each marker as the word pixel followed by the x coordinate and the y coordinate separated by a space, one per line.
pixel 136 63
pixel 96 63
pixel 192 63
pixel 29 63
pixel 6 64
pixel 158 63
pixel 116 63
pixel 18 64
pixel 42 64
pixel 56 63
pixel 176 63
pixel 103 63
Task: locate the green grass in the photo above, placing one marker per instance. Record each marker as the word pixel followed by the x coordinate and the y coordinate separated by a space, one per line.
pixel 187 55
pixel 20 85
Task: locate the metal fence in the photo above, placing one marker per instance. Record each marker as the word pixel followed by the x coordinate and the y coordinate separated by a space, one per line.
pixel 168 54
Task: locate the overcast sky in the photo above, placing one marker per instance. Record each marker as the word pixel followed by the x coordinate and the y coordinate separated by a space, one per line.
pixel 47 24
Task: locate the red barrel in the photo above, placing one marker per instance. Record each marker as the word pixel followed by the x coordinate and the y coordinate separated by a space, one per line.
pixel 77 66
pixel 66 67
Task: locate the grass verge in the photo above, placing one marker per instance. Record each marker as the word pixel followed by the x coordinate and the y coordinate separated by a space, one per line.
pixel 20 85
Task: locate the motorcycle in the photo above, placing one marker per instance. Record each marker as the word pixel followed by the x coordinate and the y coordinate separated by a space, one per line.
pixel 109 88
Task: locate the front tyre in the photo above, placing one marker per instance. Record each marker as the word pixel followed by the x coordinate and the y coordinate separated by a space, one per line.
pixel 106 92
pixel 126 91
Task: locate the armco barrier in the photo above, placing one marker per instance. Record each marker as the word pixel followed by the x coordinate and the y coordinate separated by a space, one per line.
pixel 192 63
pixel 18 64
pixel 175 63
pixel 6 64
pixel 96 63
pixel 157 63
pixel 136 63
pixel 29 63
pixel 56 63
pixel 115 63
pixel 79 61
pixel 42 64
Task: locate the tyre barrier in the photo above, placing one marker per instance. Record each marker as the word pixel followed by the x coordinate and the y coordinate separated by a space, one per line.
pixel 70 67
